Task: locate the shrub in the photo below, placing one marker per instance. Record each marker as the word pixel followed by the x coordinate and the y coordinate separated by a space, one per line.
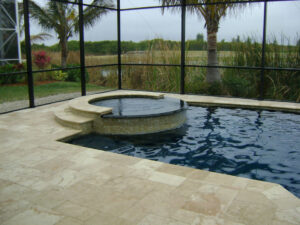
pixel 60 75
pixel 41 60
pixel 73 75
pixel 11 78
pixel 236 85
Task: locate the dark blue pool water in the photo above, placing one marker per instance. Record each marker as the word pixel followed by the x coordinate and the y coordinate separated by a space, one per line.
pixel 260 145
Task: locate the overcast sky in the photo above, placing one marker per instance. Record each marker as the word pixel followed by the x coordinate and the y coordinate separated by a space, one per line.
pixel 283 21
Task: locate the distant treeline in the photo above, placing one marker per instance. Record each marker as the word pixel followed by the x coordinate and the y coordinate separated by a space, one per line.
pixel 111 47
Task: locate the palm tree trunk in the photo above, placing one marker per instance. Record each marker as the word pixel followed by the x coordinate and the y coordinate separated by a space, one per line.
pixel 64 52
pixel 212 74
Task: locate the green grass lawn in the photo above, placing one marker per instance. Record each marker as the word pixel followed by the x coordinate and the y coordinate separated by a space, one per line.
pixel 13 93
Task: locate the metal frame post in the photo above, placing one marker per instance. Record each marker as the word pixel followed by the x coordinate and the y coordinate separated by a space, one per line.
pixel 119 45
pixel 182 65
pixel 262 74
pixel 81 43
pixel 28 54
pixel 18 31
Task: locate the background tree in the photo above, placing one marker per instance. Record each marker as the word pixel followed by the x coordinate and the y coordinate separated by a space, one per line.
pixel 212 14
pixel 200 37
pixel 64 19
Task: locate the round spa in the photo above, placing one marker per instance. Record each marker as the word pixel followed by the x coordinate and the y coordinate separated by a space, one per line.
pixel 132 115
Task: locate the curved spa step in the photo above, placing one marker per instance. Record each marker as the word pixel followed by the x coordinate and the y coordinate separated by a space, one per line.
pixel 66 117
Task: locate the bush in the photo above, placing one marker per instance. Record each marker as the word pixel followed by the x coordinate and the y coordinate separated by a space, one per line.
pixel 211 88
pixel 11 78
pixel 236 85
pixel 41 60
pixel 73 75
pixel 60 75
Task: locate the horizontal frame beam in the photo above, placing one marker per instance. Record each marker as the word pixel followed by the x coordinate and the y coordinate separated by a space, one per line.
pixel 172 6
pixel 169 65
pixel 208 3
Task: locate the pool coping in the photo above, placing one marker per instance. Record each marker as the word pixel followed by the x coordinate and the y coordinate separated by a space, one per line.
pixel 195 100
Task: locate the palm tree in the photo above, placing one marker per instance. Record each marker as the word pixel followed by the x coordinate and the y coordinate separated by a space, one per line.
pixel 212 14
pixel 64 19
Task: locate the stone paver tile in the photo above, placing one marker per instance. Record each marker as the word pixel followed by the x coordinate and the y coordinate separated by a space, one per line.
pixel 253 197
pixel 34 159
pixel 4 183
pixel 84 194
pixel 144 168
pixel 161 203
pixel 226 196
pixel 161 187
pixel 118 159
pixel 177 223
pixel 115 203
pixel 208 188
pixel 64 178
pixel 288 216
pixel 130 186
pixel 69 221
pixel 188 187
pixel 277 192
pixel 134 214
pixel 22 175
pixel 33 216
pixel 277 222
pixel 186 216
pixel 210 220
pixel 220 179
pixel 48 198
pixel 286 203
pixel 10 208
pixel 114 171
pixel 76 211
pixel 204 203
pixel 166 178
pixel 83 154
pixel 147 164
pixel 96 179
pixel 249 213
pixel 14 154
pixel 106 219
pixel 194 218
pixel 240 183
pixel 154 220
pixel 259 186
pixel 89 165
pixel 198 175
pixel 175 170
pixel 54 165
pixel 14 192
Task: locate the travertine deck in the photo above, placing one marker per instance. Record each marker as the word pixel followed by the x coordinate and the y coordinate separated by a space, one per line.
pixel 43 181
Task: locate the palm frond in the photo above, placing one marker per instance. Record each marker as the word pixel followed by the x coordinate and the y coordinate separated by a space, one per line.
pixel 212 13
pixel 43 17
pixel 40 37
pixel 93 13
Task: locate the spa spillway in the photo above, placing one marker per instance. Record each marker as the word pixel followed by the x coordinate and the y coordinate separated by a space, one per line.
pixel 129 114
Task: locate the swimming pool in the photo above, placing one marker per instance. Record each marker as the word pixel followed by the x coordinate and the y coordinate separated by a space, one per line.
pixel 261 145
